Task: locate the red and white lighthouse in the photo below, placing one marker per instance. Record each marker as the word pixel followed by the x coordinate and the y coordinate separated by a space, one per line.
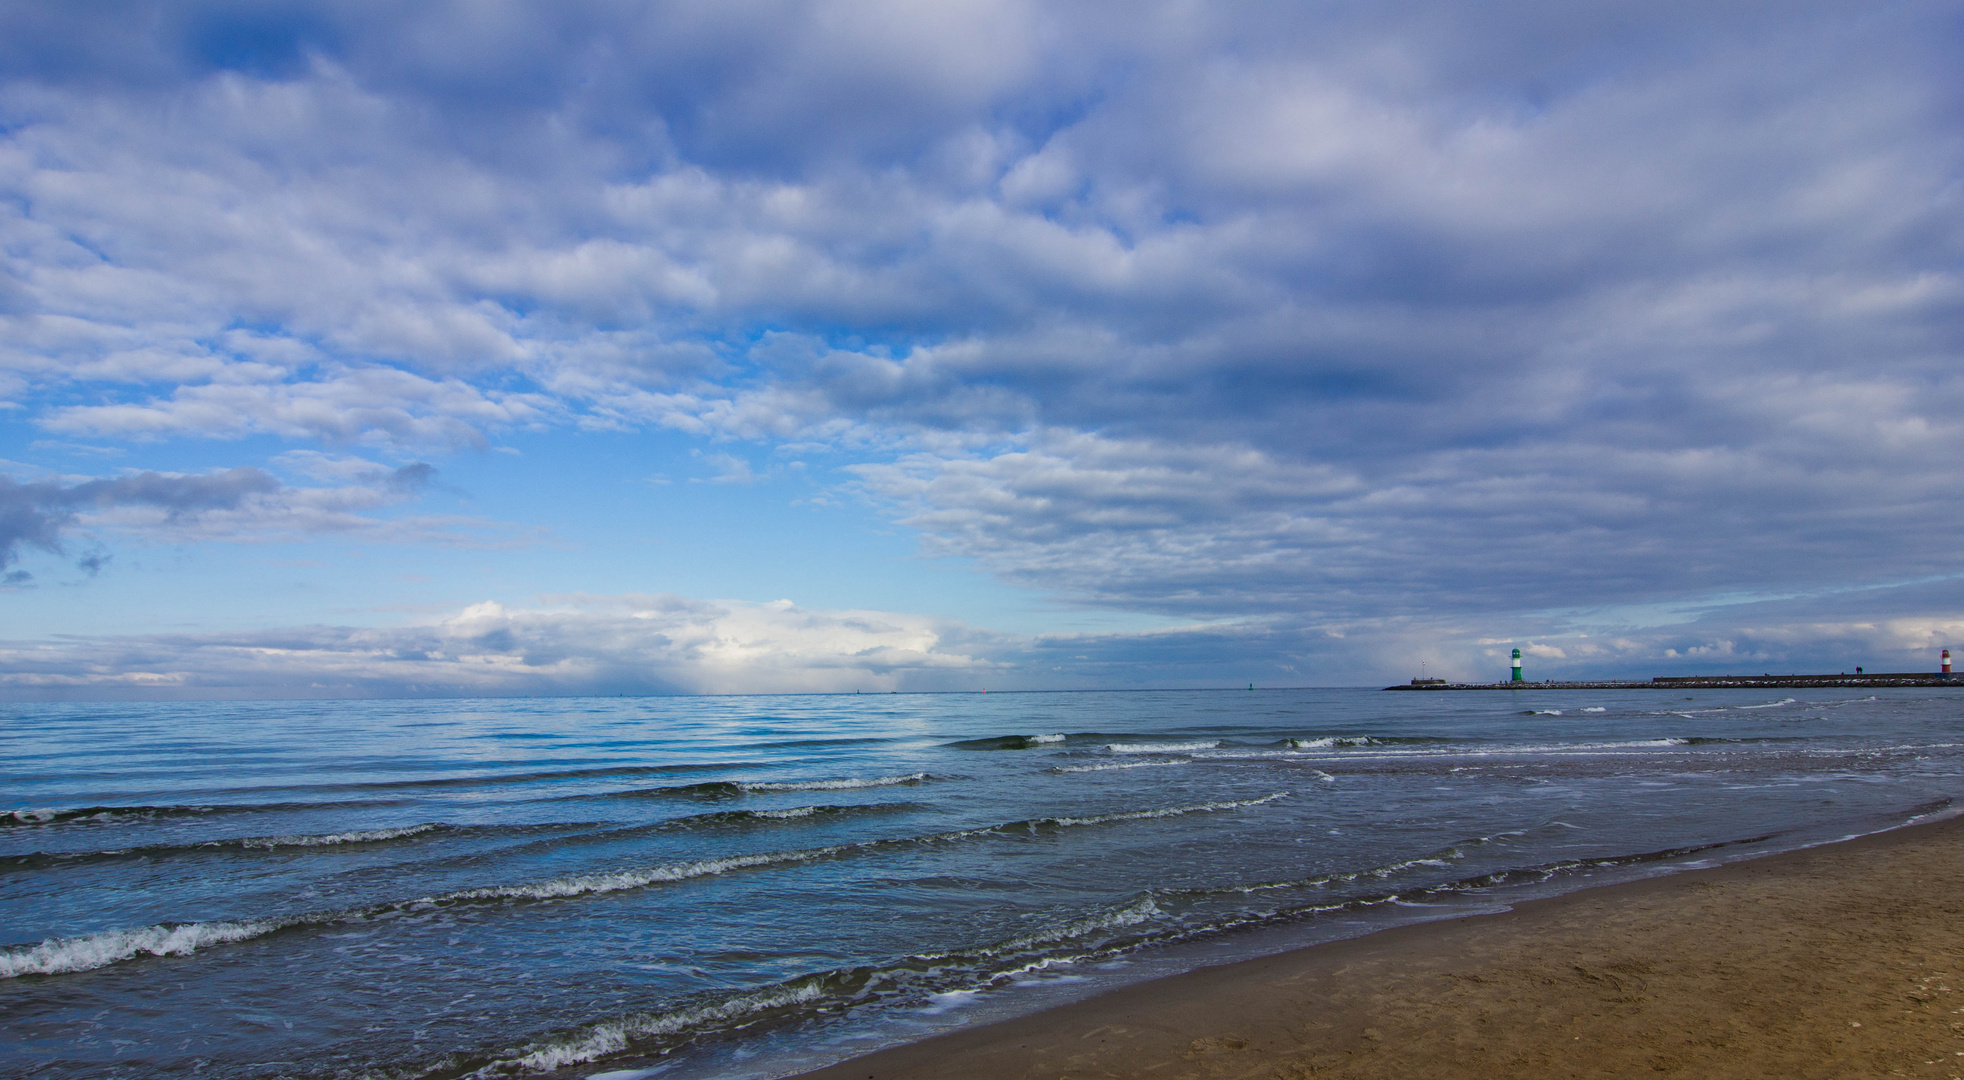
pixel 1946 661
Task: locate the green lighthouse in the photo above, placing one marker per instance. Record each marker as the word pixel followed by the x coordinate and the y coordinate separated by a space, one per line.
pixel 1517 665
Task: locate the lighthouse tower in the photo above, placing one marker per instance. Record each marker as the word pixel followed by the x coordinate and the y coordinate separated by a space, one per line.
pixel 1517 666
pixel 1946 671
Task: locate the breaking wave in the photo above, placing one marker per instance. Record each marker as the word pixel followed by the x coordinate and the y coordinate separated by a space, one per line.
pixel 1153 918
pixel 363 836
pixel 611 1037
pixel 1162 747
pixel 1110 765
pixel 920 977
pixel 58 956
pixel 1331 742
pixel 836 785
pixel 1035 824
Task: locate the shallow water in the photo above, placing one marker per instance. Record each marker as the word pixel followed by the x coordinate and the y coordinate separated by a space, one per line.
pixel 744 886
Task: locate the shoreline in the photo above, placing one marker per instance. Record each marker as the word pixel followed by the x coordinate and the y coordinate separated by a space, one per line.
pixel 1842 959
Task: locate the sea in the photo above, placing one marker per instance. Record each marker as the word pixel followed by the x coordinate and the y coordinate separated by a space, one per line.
pixel 743 887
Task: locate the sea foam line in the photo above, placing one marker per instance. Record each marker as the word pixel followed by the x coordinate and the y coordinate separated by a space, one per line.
pixel 1331 741
pixel 1161 748
pixel 1109 765
pixel 612 1037
pixel 364 836
pixel 975 971
pixel 834 785
pixel 1142 815
pixel 36 859
pixel 61 956
pixel 1520 749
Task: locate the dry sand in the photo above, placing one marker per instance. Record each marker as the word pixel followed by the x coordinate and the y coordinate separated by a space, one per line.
pixel 1845 960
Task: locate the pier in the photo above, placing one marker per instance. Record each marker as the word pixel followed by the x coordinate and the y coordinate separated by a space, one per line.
pixel 1707 682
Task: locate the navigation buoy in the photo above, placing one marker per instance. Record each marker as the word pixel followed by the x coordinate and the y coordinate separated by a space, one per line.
pixel 1517 666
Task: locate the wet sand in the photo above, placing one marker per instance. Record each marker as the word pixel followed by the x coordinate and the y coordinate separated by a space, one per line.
pixel 1845 960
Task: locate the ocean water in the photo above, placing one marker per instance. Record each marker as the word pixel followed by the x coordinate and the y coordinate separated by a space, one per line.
pixel 749 886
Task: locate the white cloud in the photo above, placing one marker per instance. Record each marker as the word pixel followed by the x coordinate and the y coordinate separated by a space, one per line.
pixel 366 405
pixel 573 644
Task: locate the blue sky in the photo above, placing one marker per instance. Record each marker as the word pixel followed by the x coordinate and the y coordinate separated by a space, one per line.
pixel 601 347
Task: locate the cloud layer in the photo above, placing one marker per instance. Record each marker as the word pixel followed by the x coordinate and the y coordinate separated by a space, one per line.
pixel 667 644
pixel 240 505
pixel 1344 313
pixel 583 644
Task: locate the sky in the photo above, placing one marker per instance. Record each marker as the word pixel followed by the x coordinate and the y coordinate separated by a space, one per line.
pixel 491 348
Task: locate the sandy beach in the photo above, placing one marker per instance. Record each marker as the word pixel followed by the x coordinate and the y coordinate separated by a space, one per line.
pixel 1845 960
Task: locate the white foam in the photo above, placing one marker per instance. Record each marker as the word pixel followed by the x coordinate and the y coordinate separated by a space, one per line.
pixel 61 956
pixel 1160 748
pixel 1170 811
pixel 1558 748
pixel 1547 712
pixel 365 837
pixel 836 785
pixel 1329 742
pixel 1044 738
pixel 1105 766
pixel 616 881
pixel 1769 705
pixel 58 956
pixel 1444 858
pixel 614 1036
pixel 591 884
pixel 1132 914
pixel 1596 708
pixel 941 1003
pixel 794 812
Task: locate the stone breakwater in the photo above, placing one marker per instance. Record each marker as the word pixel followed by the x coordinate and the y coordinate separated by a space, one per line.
pixel 1705 682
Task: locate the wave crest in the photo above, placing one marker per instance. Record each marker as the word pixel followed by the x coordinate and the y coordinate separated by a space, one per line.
pixel 61 956
pixel 849 784
pixel 1162 747
pixel 64 955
